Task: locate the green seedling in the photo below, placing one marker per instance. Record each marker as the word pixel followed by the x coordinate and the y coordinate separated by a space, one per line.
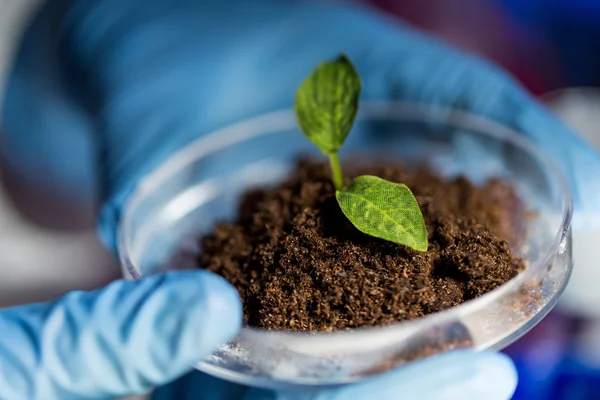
pixel 326 107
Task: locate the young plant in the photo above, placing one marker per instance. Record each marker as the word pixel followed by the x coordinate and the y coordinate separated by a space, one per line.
pixel 326 106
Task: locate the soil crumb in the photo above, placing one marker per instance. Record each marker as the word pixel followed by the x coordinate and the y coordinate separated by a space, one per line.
pixel 299 264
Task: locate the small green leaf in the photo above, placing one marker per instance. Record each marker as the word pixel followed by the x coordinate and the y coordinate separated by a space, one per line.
pixel 385 210
pixel 327 103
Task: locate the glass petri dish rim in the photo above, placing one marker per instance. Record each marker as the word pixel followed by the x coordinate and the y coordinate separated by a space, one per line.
pixel 283 120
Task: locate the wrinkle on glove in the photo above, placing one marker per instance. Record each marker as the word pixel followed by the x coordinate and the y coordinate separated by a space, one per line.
pixel 124 339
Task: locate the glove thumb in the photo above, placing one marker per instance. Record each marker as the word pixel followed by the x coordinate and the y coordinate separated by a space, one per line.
pixel 122 340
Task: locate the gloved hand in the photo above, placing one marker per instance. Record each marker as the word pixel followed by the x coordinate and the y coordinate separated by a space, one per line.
pixel 132 336
pixel 126 338
pixel 102 91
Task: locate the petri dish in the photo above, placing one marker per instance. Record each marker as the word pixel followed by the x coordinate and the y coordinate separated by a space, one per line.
pixel 202 183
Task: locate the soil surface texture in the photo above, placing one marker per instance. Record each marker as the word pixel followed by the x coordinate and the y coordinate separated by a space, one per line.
pixel 299 264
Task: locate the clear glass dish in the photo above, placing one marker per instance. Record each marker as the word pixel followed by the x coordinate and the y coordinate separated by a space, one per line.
pixel 202 183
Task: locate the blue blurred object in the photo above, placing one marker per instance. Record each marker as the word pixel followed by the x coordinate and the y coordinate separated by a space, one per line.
pixel 573 28
pixel 557 361
pixel 575 381
pixel 538 356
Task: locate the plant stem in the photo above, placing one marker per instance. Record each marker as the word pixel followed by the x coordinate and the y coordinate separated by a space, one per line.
pixel 336 170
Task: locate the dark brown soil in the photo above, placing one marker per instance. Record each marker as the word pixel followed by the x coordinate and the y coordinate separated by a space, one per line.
pixel 299 264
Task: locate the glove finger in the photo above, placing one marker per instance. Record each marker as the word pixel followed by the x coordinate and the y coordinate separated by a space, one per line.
pixel 124 339
pixel 459 375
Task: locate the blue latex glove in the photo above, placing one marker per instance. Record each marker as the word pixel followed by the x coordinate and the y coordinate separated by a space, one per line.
pixel 126 338
pixel 102 91
pixel 132 336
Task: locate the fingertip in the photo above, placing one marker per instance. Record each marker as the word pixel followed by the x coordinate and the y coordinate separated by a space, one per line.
pixel 459 374
pixel 475 374
pixel 221 306
pixel 189 315
pixel 493 375
pixel 193 312
pixel 500 365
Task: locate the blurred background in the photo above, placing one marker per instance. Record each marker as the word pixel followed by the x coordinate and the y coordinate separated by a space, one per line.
pixel 551 46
